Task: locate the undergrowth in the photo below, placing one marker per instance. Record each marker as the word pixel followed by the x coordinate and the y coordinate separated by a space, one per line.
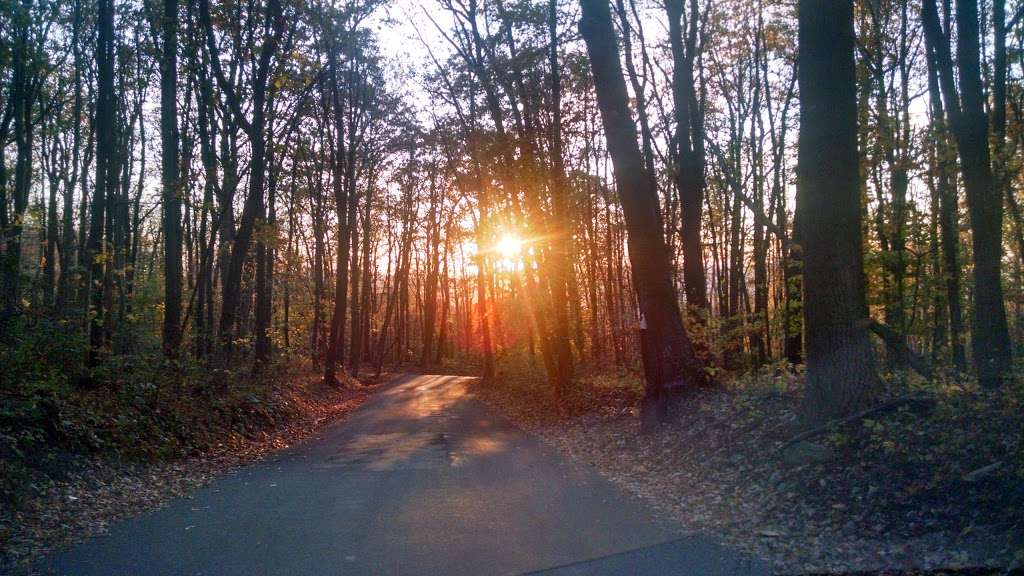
pixel 521 379
pixel 136 407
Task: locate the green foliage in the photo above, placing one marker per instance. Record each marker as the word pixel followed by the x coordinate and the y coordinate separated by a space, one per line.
pixel 132 406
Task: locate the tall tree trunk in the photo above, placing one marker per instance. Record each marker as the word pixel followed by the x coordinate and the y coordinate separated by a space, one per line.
pixel 760 341
pixel 336 342
pixel 689 148
pixel 68 232
pixel 668 355
pixel 360 337
pixel 171 190
pixel 52 235
pixel 432 245
pixel 355 330
pixel 561 243
pixel 948 213
pixel 84 215
pixel 207 127
pixel 442 336
pixel 21 95
pixel 265 258
pixel 319 247
pixel 97 253
pixel 841 375
pixel 966 115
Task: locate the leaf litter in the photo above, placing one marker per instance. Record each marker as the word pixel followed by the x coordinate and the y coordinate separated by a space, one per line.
pixel 896 492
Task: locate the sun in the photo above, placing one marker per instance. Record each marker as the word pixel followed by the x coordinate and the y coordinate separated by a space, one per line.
pixel 509 246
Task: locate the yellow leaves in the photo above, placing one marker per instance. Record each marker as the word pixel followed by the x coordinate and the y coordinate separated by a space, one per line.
pixel 771 37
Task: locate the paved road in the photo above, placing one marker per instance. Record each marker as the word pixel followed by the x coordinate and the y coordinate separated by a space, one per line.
pixel 423 479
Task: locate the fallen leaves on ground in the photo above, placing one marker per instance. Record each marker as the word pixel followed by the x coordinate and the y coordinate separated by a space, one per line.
pixel 896 495
pixel 93 492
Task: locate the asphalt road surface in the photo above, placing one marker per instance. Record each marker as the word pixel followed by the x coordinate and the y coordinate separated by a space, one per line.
pixel 422 479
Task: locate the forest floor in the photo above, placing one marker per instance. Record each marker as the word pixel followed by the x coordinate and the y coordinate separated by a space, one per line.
pixel 909 489
pixel 58 491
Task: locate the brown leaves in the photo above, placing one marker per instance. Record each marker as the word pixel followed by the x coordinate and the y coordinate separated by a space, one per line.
pixel 92 493
pixel 891 494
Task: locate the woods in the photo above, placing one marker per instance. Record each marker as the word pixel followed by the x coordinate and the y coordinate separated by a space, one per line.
pixel 760 261
pixel 690 191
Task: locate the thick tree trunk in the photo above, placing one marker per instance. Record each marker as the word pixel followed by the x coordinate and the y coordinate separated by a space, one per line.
pixel 841 377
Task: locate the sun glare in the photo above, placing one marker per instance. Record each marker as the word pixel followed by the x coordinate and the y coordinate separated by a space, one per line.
pixel 509 246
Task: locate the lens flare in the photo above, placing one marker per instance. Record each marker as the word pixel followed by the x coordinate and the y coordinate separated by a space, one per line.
pixel 509 246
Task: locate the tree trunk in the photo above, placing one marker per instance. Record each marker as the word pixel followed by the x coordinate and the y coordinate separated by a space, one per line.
pixel 841 377
pixel 97 254
pixel 265 259
pixel 561 243
pixel 336 343
pixel 21 96
pixel 171 190
pixel 355 332
pixel 360 338
pixel 68 232
pixel 966 116
pixel 689 148
pixel 948 214
pixel 668 355
pixel 52 235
